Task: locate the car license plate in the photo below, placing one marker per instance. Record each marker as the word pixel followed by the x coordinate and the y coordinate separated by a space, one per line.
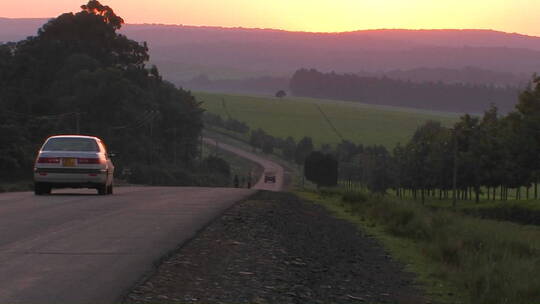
pixel 68 162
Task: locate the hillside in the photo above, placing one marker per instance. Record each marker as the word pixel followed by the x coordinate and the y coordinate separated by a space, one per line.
pixel 184 52
pixel 299 117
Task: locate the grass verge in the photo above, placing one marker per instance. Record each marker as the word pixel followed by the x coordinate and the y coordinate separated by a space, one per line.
pixel 16 186
pixel 458 259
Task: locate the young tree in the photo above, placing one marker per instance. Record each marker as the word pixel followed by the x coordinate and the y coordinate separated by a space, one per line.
pixel 281 94
pixel 321 169
pixel 303 148
pixel 288 148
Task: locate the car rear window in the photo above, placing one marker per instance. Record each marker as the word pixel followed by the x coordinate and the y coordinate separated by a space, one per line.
pixel 71 144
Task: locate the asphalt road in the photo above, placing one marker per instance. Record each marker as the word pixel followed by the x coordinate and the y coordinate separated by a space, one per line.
pixel 268 165
pixel 84 248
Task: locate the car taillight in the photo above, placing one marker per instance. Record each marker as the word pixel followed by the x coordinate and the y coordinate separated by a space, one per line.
pixel 48 160
pixel 90 161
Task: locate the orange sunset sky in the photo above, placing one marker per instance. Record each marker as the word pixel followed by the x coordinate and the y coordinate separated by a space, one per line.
pixel 310 15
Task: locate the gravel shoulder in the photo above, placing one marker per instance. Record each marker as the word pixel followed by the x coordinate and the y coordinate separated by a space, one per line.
pixel 276 248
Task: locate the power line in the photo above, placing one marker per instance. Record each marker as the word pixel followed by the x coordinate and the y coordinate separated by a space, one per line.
pixel 147 117
pixel 225 108
pixel 330 123
pixel 50 116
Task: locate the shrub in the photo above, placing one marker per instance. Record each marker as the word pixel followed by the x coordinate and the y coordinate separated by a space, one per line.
pixel 327 192
pixel 354 197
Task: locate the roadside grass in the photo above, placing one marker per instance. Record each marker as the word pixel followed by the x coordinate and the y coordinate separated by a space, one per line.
pixel 523 211
pixel 533 205
pixel 458 259
pixel 299 117
pixel 16 186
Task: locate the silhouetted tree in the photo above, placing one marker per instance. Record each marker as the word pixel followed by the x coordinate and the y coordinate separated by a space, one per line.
pixel 281 94
pixel 79 68
pixel 321 169
pixel 289 148
pixel 303 148
pixel 386 91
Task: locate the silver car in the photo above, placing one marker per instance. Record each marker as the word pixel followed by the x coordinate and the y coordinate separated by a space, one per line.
pixel 73 161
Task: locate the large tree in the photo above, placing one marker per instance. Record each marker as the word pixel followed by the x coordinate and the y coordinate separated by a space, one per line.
pixel 79 73
pixel 321 169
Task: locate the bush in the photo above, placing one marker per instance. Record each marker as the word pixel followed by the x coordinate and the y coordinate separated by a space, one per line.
pixel 327 192
pixel 321 169
pixel 214 164
pixel 354 197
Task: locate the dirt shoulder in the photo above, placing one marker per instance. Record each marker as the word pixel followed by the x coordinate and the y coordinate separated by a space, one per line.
pixel 275 248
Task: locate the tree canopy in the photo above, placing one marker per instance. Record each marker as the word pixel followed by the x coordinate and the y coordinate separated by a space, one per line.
pixel 80 73
pixel 459 97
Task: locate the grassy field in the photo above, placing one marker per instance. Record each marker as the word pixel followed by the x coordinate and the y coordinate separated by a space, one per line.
pixel 298 117
pixel 458 259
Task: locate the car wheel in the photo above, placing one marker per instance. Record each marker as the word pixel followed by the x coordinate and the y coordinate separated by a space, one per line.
pixel 102 189
pixel 40 189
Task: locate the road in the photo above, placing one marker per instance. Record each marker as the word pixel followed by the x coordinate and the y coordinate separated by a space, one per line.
pixel 77 247
pixel 85 248
pixel 268 165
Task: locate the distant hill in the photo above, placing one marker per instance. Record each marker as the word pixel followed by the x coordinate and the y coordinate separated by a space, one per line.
pixel 186 52
pixel 18 29
pixel 278 53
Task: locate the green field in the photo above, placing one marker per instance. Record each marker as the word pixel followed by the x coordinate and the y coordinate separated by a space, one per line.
pixel 298 117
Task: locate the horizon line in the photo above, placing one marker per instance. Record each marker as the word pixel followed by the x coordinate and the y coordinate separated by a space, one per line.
pixel 298 31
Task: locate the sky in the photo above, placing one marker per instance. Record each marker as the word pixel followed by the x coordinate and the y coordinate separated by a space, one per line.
pixel 519 16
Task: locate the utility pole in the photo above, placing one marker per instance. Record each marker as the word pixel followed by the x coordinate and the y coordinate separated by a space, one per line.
pixel 151 150
pixel 175 144
pixel 201 145
pixel 454 177
pixel 78 122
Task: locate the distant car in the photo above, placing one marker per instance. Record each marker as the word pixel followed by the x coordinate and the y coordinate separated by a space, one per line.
pixel 73 161
pixel 270 177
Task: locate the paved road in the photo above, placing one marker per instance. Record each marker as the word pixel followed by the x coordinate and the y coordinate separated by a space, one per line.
pixel 268 165
pixel 73 248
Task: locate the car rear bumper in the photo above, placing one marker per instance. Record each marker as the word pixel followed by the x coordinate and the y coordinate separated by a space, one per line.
pixel 58 177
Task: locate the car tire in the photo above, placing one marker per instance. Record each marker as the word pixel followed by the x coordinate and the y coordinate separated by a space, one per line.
pixel 102 189
pixel 41 189
pixel 38 189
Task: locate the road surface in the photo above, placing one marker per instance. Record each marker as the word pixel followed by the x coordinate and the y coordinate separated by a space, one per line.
pixel 268 165
pixel 85 248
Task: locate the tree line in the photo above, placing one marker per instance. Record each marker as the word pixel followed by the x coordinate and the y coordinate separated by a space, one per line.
pixel 479 156
pixel 79 75
pixel 461 98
